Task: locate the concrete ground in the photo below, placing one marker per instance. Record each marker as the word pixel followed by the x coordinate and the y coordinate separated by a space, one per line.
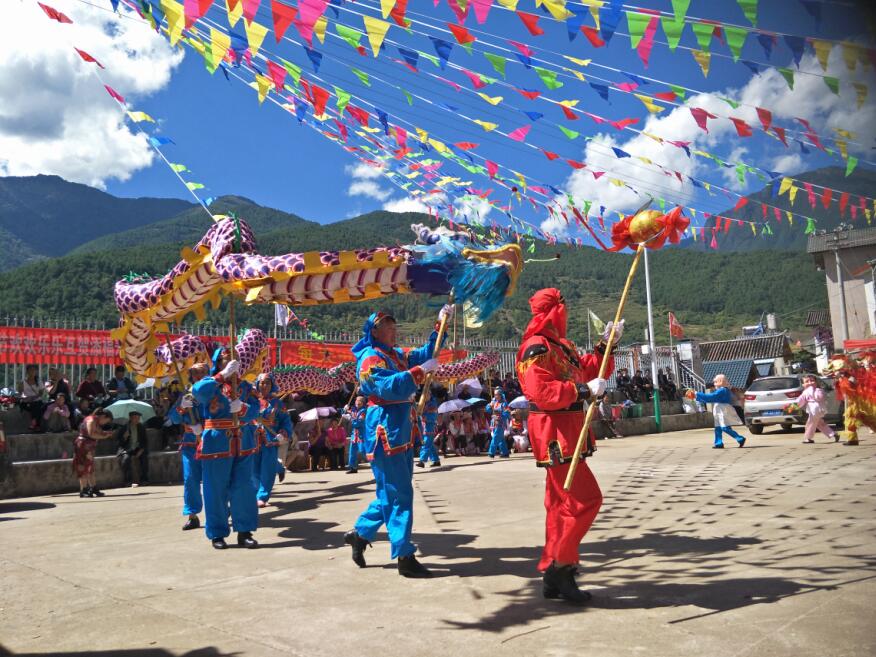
pixel 767 550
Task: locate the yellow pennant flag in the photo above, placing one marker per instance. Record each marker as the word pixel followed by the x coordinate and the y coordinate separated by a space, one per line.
pixel 616 182
pixel 579 62
pixel 219 45
pixel 137 117
pixel 785 185
pixel 861 89
pixel 235 13
pixel 369 129
pixel 850 55
pixel 843 148
pixel 386 6
pixel 319 28
pixel 494 100
pixel 822 51
pixel 557 8
pixel 175 19
pixel 422 134
pixel 376 30
pixel 659 140
pixel 520 179
pixel 255 34
pixel 577 74
pixel 509 4
pixel 790 217
pixel 649 104
pixel 437 145
pixel 844 133
pixel 569 103
pixel 263 85
pixel 486 125
pixel 595 6
pixel 704 58
pixel 792 193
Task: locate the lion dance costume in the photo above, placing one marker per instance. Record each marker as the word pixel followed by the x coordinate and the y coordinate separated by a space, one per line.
pixel 856 386
pixel 550 369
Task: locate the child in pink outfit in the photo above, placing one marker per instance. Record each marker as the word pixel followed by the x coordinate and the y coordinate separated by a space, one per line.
pixel 811 400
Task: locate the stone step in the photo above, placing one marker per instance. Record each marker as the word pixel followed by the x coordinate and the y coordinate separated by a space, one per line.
pixel 48 446
pixel 56 475
pixel 636 426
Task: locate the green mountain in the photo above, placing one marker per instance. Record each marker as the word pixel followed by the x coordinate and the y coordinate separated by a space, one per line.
pixel 48 216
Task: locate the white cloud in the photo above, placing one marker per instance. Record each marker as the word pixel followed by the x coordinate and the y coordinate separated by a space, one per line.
pixel 363 171
pixel 810 100
pixel 365 181
pixel 55 116
pixel 405 204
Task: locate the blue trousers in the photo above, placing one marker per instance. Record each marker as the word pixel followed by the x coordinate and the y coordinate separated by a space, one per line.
pixel 353 458
pixel 497 443
pixel 264 471
pixel 191 467
pixel 428 451
pixel 229 492
pixel 394 504
pixel 729 431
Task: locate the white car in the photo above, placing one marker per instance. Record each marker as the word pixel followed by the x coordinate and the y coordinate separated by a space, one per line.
pixel 767 397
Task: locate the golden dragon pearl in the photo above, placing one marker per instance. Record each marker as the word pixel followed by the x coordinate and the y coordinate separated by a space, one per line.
pixel 645 225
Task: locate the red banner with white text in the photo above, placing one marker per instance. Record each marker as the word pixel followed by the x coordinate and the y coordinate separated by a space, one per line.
pixel 328 354
pixel 22 346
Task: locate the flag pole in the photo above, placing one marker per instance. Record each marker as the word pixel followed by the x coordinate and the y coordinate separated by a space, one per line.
pixel 655 389
pixel 589 341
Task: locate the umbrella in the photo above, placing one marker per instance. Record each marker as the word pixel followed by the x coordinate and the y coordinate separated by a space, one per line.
pixel 474 386
pixel 519 402
pixel 476 401
pixel 122 408
pixel 452 405
pixel 316 413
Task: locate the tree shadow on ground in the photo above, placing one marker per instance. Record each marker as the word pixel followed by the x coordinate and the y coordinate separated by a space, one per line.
pixel 21 507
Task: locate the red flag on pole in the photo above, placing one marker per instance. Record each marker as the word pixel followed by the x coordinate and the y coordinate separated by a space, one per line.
pixel 676 330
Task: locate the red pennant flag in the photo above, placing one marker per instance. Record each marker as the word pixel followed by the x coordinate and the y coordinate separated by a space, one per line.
pixel 676 330
pixel 844 201
pixel 763 210
pixel 780 133
pixel 317 96
pixel 398 12
pixel 668 96
pixel 742 128
pixel 701 116
pixel 277 73
pixel 54 14
pixel 531 23
pixel 115 94
pixel 778 214
pixel 250 9
pixel 575 164
pixel 283 16
pixel 826 197
pixel 766 118
pixel 360 115
pixel 811 194
pixel 194 9
pixel 476 81
pixel 741 203
pixel 465 145
pixel 623 123
pixel 597 174
pixel 461 34
pixel 530 95
pixel 492 168
pixel 569 113
pixel 717 222
pixel 88 58
pixel 549 155
pixel 727 224
pixel 592 36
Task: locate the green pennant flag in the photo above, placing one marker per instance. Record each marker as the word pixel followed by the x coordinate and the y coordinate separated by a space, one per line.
pixel 740 173
pixel 788 74
pixel 851 163
pixel 362 75
pixel 431 58
pixel 293 71
pixel 672 29
pixel 408 97
pixel 179 168
pixel 571 134
pixel 586 209
pixel 681 92
pixel 467 46
pixel 637 23
pixel 343 99
pixel 732 103
pixel 598 324
pixel 548 77
pixel 832 83
pixel 348 34
pixel 679 7
pixel 749 8
pixel 735 39
pixel 810 226
pixel 703 33
pixel 486 79
pixel 497 61
pixel 662 203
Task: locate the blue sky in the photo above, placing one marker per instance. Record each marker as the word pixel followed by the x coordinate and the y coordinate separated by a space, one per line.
pixel 234 146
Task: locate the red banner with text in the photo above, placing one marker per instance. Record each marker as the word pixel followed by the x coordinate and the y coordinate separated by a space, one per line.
pixel 327 354
pixel 22 346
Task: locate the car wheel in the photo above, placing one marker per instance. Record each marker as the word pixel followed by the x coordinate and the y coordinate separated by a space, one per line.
pixel 787 426
pixel 756 429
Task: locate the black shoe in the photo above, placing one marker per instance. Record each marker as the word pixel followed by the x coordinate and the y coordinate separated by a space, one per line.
pixel 352 471
pixel 742 443
pixel 435 464
pixel 358 544
pixel 192 523
pixel 96 492
pixel 85 492
pixel 717 446
pixel 219 543
pixel 281 476
pixel 559 582
pixel 409 567
pixel 506 456
pixel 245 539
pixel 420 464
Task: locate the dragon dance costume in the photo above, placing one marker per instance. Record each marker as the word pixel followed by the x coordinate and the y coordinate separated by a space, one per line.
pixel 273 427
pixel 357 437
pixel 428 452
pixel 189 417
pixel 549 369
pixel 499 418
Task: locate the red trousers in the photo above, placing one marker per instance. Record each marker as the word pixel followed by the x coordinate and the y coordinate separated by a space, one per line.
pixel 569 515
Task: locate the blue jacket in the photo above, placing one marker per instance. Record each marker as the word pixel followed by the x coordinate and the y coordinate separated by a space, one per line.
pixel 274 423
pixel 499 415
pixel 389 378
pixel 183 416
pixel 216 406
pixel 720 396
pixel 357 424
pixel 430 417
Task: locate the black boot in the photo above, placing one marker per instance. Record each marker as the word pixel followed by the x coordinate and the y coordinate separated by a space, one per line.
pixel 281 476
pixel 352 471
pixel 435 464
pixel 192 523
pixel 358 544
pixel 96 492
pixel 420 464
pixel 559 582
pixel 85 492
pixel 219 543
pixel 409 567
pixel 245 539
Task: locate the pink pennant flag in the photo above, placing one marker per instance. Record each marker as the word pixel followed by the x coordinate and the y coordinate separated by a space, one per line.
pixel 742 128
pixel 476 81
pixel 701 116
pixel 647 41
pixel 461 12
pixel 88 58
pixel 843 202
pixel 115 94
pixel 481 9
pixel 778 214
pixel 309 11
pixel 54 14
pixel 250 9
pixel 492 168
pixel 520 133
pixel 277 73
pixel 826 197
pixel 597 174
pixel 714 243
pixel 525 50
pixel 810 193
pixel 630 86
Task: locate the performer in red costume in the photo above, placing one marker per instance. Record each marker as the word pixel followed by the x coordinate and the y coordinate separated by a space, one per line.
pixel 559 383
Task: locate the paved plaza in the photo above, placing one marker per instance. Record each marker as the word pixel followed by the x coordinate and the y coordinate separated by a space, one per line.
pixel 766 550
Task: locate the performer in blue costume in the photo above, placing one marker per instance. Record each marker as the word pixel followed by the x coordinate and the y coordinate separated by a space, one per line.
pixel 225 452
pixel 430 421
pixel 357 433
pixel 722 410
pixel 273 427
pixel 499 417
pixel 390 378
pixel 185 413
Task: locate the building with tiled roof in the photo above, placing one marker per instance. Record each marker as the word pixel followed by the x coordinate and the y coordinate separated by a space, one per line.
pixel 770 354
